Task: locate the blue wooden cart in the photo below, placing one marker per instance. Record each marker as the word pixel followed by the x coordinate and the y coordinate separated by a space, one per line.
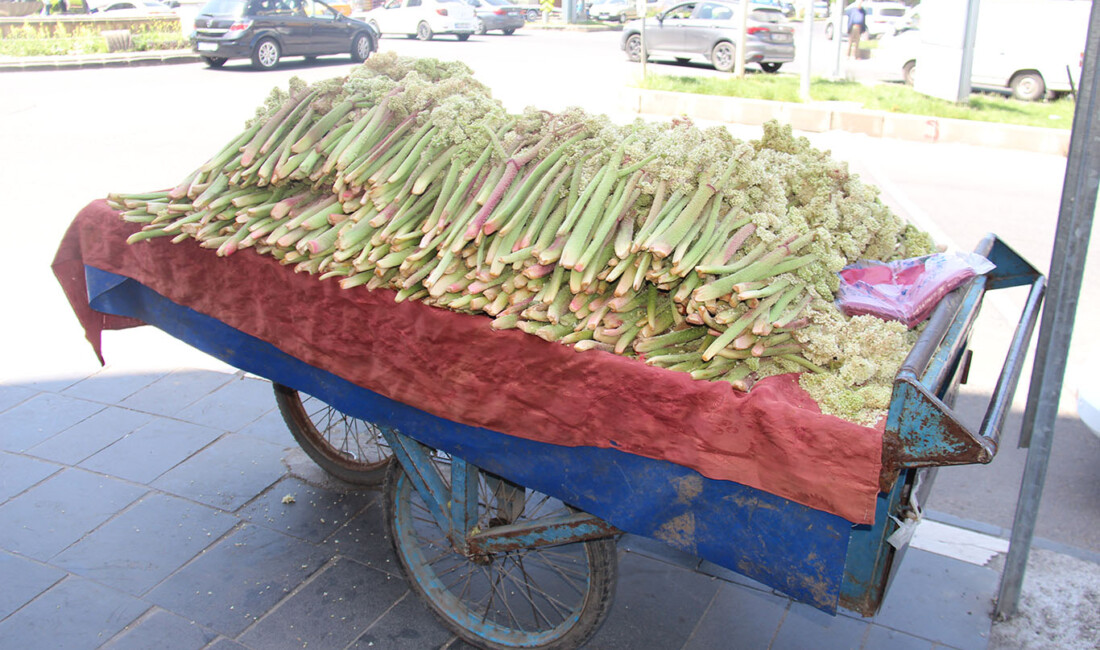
pixel 511 541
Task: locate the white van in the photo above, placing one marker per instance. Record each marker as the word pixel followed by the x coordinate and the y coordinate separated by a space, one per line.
pixel 1030 48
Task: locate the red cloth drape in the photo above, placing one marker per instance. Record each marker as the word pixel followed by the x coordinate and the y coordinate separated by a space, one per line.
pixel 773 438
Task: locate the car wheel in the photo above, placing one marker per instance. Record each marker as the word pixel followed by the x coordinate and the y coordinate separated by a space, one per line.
pixel 829 31
pixel 265 55
pixel 1028 86
pixel 622 18
pixel 721 57
pixel 361 48
pixel 909 73
pixel 424 32
pixel 480 27
pixel 214 61
pixel 532 15
pixel 509 32
pixel 771 68
pixel 634 48
pixel 462 37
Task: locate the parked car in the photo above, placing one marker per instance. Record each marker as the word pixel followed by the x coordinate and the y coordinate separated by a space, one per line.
pixel 132 9
pixel 422 18
pixel 881 18
pixel 710 29
pixel 500 15
pixel 615 10
pixel 268 30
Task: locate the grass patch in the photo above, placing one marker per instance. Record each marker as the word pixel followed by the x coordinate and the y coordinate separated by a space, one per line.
pixel 31 40
pixel 893 98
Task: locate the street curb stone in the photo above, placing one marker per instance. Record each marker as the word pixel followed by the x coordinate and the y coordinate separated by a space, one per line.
pixel 110 60
pixel 818 117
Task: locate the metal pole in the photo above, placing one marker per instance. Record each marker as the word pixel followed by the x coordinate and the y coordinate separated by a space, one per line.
pixel 838 35
pixel 1067 267
pixel 967 64
pixel 808 26
pixel 742 29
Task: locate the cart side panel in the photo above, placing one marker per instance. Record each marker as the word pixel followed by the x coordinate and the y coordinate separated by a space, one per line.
pixel 784 545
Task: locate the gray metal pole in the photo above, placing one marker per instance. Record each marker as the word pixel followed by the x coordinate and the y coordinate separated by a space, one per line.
pixel 967 64
pixel 807 43
pixel 1067 267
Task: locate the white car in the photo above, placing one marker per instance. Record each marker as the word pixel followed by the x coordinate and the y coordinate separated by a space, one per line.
pixel 131 9
pixel 882 17
pixel 422 18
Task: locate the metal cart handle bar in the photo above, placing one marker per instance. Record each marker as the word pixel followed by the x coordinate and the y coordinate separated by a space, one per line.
pixel 921 429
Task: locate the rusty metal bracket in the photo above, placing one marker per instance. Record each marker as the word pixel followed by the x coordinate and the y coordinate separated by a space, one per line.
pixel 921 429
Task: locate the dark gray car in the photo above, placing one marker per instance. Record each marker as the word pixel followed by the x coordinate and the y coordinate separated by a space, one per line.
pixel 268 30
pixel 710 29
pixel 499 15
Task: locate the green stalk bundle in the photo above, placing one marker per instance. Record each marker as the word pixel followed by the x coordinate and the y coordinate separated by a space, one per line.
pixel 679 246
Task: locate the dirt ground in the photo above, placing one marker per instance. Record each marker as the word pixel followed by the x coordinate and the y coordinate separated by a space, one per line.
pixel 1059 606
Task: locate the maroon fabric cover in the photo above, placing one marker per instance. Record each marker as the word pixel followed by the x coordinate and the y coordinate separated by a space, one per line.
pixel 455 366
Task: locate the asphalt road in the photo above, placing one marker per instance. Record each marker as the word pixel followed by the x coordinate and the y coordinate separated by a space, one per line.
pixel 71 136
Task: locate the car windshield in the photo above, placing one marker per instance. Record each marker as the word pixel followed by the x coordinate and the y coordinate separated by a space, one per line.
pixel 225 8
pixel 766 15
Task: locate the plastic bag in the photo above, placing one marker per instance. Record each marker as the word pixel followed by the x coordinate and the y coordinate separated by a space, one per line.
pixel 905 290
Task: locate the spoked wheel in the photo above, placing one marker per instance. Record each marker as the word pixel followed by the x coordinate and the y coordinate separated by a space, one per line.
pixel 547 597
pixel 350 449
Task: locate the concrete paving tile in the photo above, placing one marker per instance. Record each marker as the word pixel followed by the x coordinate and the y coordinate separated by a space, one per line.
pixel 364 540
pixel 333 609
pixel 227 474
pixel 161 630
pixel 738 613
pixel 722 573
pixel 17 473
pixel 658 550
pixel 410 625
pixel 315 514
pixel 176 391
pixel 74 614
pixel 46 519
pixel 233 406
pixel 91 435
pixel 806 627
pixel 942 599
pixel 146 453
pixel 11 395
pixel 38 418
pixel 146 543
pixel 881 637
pixel 23 580
pixel 225 644
pixel 270 427
pixel 657 605
pixel 112 384
pixel 239 579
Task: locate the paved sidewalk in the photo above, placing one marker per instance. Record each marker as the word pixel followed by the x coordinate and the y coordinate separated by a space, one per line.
pixel 146 509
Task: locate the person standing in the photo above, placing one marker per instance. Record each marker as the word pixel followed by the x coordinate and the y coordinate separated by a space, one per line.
pixel 857 22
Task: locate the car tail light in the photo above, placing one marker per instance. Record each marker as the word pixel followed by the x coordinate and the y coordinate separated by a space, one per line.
pixel 757 30
pixel 441 12
pixel 499 12
pixel 239 26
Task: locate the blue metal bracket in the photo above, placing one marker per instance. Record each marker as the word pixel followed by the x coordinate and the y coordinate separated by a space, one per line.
pixel 921 429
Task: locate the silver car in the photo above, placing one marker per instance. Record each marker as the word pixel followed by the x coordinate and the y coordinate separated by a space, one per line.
pixel 711 29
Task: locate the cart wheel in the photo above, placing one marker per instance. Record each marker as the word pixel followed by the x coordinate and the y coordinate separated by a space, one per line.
pixel 550 597
pixel 348 448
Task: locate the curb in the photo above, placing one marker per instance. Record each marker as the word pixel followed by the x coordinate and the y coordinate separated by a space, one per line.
pixel 39 63
pixel 818 117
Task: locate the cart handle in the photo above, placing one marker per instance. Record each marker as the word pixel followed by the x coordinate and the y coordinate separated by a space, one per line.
pixel 921 429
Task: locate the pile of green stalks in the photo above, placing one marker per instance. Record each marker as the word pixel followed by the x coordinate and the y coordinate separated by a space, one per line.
pixel 682 247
